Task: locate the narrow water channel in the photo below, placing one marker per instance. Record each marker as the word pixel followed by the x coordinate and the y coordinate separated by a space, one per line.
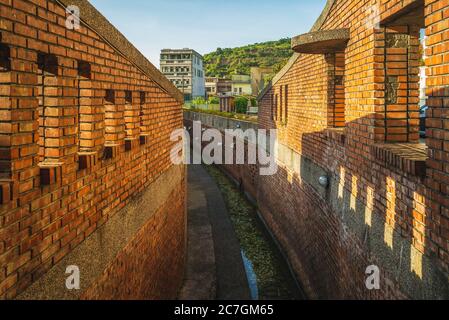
pixel 268 274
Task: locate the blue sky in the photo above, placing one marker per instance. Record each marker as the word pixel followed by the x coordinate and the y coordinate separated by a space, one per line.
pixel 204 25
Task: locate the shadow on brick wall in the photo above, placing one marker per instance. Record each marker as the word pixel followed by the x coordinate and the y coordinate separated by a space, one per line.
pixel 372 213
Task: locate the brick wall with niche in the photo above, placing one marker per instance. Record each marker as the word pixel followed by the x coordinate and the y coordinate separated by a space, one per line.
pixel 400 56
pixel 64 171
pixel 387 186
pixel 90 118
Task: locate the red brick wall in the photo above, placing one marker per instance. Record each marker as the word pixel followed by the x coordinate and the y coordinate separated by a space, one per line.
pixel 392 191
pixel 437 17
pixel 327 260
pixel 65 165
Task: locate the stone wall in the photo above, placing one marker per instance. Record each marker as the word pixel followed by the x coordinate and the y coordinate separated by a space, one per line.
pixel 84 129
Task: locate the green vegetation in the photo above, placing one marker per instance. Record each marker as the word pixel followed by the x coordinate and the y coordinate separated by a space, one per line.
pixel 198 101
pixel 237 116
pixel 226 62
pixel 241 104
pixel 214 100
pixel 274 281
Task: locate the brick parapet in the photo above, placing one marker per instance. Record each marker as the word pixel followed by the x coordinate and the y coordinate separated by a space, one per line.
pixel 60 178
pixel 381 164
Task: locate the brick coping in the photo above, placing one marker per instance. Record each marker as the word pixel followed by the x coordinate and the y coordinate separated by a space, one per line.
pixel 320 42
pixel 407 157
pixel 336 134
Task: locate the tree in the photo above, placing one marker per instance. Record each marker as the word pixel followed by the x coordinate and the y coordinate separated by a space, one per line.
pixel 224 62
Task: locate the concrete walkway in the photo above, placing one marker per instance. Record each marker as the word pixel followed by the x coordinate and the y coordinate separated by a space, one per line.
pixel 214 265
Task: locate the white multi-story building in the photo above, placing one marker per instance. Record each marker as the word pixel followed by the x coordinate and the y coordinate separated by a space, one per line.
pixel 184 68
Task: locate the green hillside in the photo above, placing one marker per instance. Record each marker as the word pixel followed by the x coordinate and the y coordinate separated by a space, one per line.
pixel 225 62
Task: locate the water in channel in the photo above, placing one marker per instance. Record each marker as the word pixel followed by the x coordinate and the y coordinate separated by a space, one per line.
pixel 268 275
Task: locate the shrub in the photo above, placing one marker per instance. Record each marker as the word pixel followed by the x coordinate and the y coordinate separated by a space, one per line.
pixel 253 102
pixel 198 101
pixel 214 100
pixel 241 105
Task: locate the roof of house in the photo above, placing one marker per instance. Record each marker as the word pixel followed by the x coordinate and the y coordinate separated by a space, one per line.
pixel 317 26
pixel 91 17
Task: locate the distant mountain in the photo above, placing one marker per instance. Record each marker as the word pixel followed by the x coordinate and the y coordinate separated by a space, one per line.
pixel 225 62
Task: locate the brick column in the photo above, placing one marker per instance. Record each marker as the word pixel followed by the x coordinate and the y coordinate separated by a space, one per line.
pixel 339 93
pixel 132 120
pixel 437 124
pixel 276 105
pixel 281 104
pixel 18 141
pixel 49 116
pixel 398 49
pixel 285 120
pixel 114 123
pixel 335 89
pixel 7 153
pixel 5 112
pixel 49 113
pixel 89 131
pixel 144 118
